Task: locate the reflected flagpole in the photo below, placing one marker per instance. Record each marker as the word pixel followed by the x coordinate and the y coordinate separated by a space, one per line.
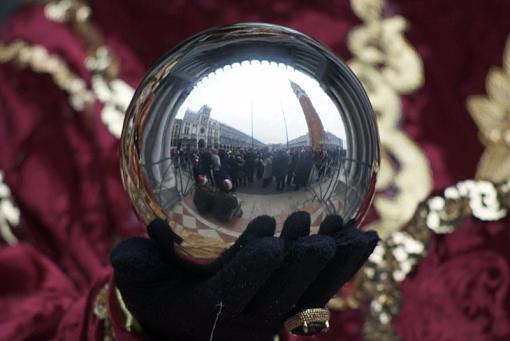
pixel 252 124
pixel 285 123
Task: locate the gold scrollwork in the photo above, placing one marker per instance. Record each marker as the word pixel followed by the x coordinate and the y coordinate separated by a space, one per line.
pixel 388 67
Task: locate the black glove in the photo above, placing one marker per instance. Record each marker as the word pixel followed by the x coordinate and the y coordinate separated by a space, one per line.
pixel 249 290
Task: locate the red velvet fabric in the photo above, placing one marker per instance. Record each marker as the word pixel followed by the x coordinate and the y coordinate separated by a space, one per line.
pixel 62 165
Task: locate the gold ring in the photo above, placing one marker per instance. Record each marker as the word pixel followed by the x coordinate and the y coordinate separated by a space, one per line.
pixel 308 322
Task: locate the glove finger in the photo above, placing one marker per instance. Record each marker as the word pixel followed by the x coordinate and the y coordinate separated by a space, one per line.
pixel 372 239
pixel 240 279
pixel 138 260
pixel 296 225
pixel 353 247
pixel 161 233
pixel 260 227
pixel 303 262
pixel 334 224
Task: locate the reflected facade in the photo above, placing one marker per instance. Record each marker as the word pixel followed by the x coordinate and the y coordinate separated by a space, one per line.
pixel 246 120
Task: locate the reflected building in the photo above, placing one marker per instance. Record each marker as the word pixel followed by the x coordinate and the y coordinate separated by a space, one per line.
pixel 331 141
pixel 176 132
pixel 233 138
pixel 198 129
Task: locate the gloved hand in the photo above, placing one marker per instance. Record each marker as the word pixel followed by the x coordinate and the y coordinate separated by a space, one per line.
pixel 249 290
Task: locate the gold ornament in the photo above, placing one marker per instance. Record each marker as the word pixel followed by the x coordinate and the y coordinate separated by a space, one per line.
pixel 491 113
pixel 113 92
pixel 38 59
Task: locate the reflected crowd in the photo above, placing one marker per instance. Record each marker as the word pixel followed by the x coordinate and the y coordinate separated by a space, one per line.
pixel 258 171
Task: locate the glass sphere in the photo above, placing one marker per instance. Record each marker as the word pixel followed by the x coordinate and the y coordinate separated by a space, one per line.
pixel 246 120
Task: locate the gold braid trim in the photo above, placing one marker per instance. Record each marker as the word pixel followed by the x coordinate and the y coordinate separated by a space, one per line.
pixel 102 311
pixel 130 322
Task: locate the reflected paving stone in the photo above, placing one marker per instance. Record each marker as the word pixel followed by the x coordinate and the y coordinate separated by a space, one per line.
pixel 245 120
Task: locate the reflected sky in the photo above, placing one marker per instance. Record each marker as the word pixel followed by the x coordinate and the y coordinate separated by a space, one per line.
pixel 259 93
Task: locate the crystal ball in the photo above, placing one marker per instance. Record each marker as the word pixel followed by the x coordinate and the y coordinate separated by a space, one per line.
pixel 246 120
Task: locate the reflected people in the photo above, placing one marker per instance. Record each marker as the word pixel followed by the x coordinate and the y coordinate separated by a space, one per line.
pixel 220 202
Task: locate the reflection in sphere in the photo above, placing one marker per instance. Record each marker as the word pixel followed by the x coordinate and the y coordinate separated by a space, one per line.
pixel 242 121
